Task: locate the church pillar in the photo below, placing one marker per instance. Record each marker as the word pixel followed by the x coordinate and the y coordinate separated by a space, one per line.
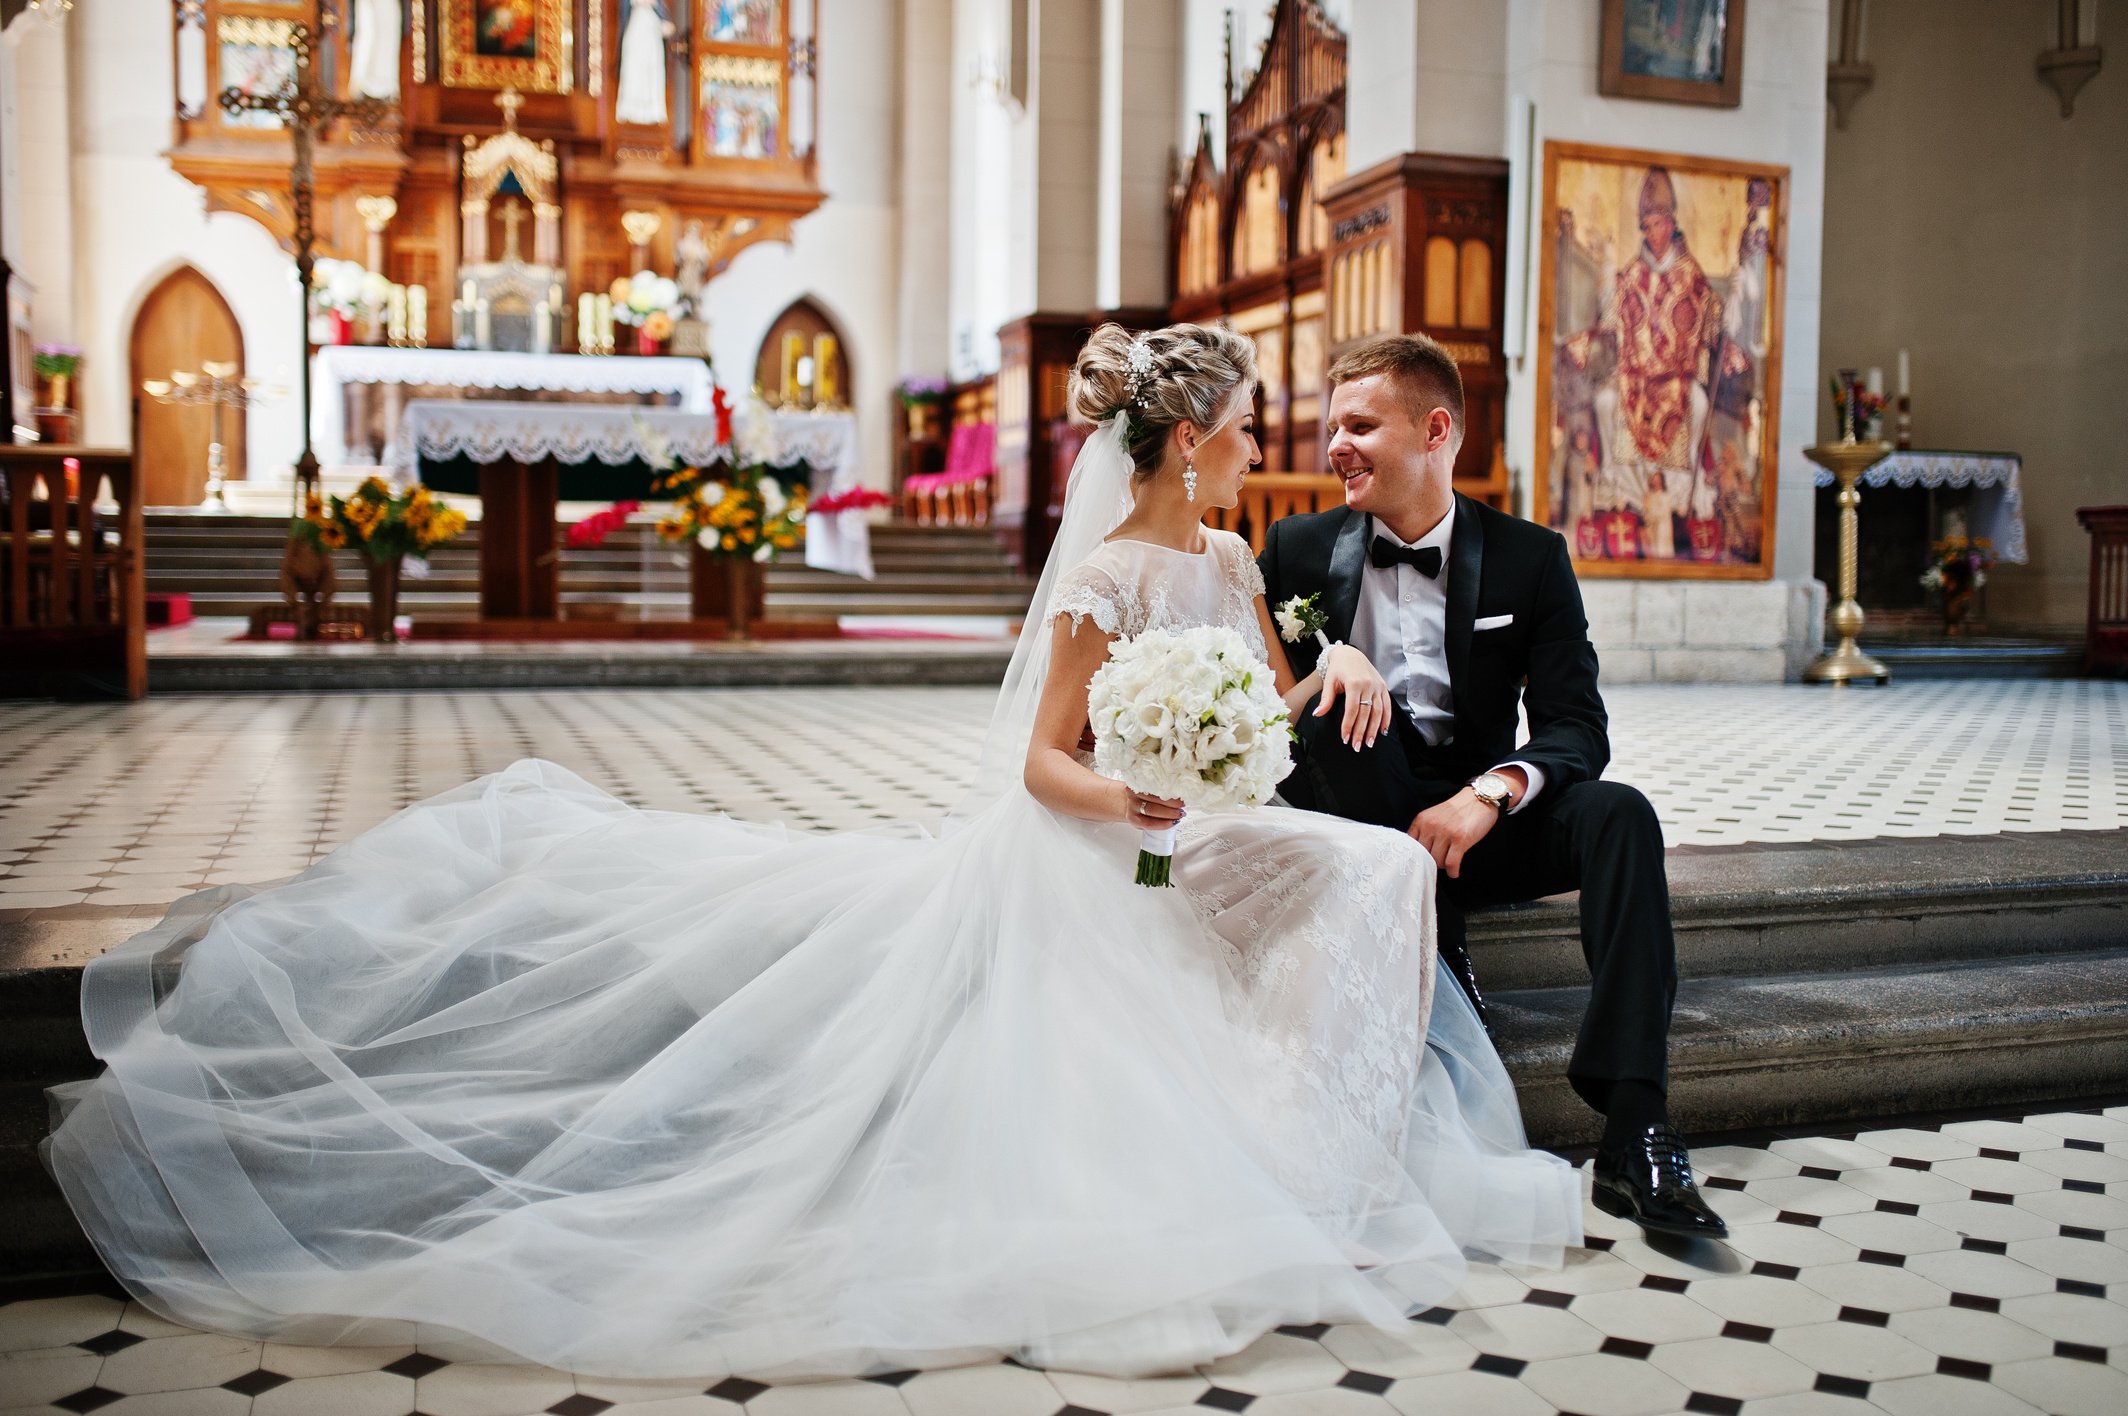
pixel 1426 76
pixel 1052 262
pixel 924 288
pixel 1140 105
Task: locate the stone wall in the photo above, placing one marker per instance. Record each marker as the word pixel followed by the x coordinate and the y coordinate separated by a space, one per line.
pixel 1686 631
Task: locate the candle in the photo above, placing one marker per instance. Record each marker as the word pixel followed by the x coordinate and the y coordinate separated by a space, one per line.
pixel 805 371
pixel 793 351
pixel 602 322
pixel 586 324
pixel 1874 381
pixel 395 315
pixel 824 389
pixel 417 315
pixel 468 294
pixel 480 324
pixel 541 316
pixel 1905 384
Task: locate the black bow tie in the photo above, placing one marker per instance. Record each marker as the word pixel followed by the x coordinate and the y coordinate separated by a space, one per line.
pixel 1424 559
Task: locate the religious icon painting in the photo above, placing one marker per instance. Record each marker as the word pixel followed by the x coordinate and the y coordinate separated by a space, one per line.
pixel 742 21
pixel 497 44
pixel 742 106
pixel 1658 361
pixel 257 56
pixel 1685 51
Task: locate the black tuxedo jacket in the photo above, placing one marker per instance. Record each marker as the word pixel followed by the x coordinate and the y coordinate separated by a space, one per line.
pixel 1497 565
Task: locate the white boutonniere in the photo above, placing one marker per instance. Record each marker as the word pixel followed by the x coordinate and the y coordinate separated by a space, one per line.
pixel 1302 616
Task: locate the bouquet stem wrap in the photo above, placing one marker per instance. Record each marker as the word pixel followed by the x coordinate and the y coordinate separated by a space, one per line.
pixel 1156 857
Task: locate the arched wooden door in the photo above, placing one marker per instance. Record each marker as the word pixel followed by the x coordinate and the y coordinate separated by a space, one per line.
pixel 183 323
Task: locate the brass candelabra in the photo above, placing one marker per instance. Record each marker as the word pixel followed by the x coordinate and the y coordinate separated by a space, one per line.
pixel 215 386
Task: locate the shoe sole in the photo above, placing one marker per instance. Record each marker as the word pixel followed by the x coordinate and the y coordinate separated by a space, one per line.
pixel 1612 1205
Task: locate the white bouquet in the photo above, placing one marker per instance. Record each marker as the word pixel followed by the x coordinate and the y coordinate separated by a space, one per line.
pixel 1189 715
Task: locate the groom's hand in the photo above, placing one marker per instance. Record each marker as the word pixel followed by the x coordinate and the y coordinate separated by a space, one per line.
pixel 1448 831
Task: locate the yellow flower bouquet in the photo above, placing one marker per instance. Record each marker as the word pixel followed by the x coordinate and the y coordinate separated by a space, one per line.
pixel 383 524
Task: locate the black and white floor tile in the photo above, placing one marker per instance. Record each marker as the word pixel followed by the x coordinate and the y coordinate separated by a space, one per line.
pixel 137 804
pixel 1956 1268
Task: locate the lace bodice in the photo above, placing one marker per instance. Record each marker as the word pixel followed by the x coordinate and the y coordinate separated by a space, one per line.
pixel 1127 587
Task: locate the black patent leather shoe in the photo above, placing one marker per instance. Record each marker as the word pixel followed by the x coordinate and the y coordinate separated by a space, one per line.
pixel 1456 960
pixel 1651 1184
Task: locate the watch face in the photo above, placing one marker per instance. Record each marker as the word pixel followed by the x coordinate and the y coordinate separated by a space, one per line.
pixel 1492 787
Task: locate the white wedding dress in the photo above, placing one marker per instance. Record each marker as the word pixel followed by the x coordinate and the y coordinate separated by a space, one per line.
pixel 641 1093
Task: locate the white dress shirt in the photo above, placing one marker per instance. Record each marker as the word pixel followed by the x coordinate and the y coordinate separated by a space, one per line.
pixel 1401 625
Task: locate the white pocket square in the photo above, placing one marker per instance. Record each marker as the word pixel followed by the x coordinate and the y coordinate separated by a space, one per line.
pixel 1493 622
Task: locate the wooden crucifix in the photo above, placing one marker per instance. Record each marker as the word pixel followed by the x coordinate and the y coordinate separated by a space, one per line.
pixel 306 109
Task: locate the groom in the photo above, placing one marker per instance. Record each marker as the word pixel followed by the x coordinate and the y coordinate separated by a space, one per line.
pixel 1463 611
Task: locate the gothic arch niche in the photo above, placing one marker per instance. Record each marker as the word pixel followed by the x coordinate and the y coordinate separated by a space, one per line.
pixel 805 320
pixel 182 323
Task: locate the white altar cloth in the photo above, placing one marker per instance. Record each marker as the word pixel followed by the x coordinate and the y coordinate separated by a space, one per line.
pixel 339 365
pixel 440 429
pixel 1998 510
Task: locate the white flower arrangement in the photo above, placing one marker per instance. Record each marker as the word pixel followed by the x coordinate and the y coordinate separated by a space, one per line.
pixel 346 287
pixel 636 298
pixel 1188 715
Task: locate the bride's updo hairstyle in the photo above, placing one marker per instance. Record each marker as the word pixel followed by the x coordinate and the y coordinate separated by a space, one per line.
pixel 1185 374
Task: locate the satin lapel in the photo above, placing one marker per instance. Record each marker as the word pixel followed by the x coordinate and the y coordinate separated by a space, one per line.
pixel 1348 561
pixel 1466 561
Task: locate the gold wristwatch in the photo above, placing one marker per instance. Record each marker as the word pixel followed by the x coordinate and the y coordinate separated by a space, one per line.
pixel 1492 789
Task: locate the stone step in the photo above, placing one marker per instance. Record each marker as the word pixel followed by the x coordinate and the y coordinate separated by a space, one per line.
pixel 1980 659
pixel 1747 912
pixel 206 587
pixel 1791 1048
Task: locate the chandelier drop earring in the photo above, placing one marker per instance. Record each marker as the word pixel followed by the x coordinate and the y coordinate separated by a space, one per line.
pixel 1189 479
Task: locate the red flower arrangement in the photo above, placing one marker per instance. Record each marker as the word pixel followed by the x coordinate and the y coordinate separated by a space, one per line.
pixel 855 499
pixel 592 531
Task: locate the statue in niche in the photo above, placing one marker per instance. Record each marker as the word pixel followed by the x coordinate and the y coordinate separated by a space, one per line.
pixel 691 261
pixel 641 96
pixel 373 57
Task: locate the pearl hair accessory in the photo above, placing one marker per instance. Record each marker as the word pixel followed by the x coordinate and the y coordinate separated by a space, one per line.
pixel 1140 362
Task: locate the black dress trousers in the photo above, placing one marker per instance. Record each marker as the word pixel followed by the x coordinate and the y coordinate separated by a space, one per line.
pixel 1601 838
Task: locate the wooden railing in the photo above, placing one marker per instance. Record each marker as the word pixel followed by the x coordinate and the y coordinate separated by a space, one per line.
pixel 1267 496
pixel 2106 621
pixel 73 619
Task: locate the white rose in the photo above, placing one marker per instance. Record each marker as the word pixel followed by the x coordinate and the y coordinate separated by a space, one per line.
pixel 707 539
pixel 773 501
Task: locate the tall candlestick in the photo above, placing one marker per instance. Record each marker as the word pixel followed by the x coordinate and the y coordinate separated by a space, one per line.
pixel 825 391
pixel 793 351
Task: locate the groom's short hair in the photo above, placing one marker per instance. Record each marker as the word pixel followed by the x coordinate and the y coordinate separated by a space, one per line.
pixel 1423 372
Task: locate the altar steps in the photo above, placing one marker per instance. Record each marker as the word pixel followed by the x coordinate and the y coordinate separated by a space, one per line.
pixel 229 565
pixel 1822 981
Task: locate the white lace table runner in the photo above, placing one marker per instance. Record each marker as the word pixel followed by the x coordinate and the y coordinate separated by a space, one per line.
pixel 1998 514
pixel 440 429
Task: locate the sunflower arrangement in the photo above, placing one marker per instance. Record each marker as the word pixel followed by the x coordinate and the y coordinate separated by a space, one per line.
pixel 746 512
pixel 385 525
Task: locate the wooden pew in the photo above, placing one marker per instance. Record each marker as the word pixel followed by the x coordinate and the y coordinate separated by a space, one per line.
pixel 2106 620
pixel 73 615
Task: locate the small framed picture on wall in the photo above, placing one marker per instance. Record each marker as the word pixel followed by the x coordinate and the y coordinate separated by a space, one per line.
pixel 1682 51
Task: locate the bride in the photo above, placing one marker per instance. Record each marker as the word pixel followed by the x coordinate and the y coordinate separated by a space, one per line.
pixel 640 1093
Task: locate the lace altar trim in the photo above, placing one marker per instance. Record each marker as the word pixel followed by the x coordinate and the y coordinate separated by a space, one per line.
pixel 1999 518
pixel 572 432
pixel 687 379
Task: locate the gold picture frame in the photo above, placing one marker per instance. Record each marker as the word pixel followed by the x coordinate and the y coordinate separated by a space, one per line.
pixel 1660 366
pixel 497 44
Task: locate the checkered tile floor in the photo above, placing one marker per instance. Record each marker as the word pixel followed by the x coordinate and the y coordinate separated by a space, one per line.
pixel 138 804
pixel 1940 1269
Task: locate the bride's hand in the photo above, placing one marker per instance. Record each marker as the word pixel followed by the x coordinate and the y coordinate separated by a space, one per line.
pixel 1346 672
pixel 1148 813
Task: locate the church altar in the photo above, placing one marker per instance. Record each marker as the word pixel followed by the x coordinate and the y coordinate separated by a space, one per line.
pixel 1998 508
pixel 522 458
pixel 348 424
